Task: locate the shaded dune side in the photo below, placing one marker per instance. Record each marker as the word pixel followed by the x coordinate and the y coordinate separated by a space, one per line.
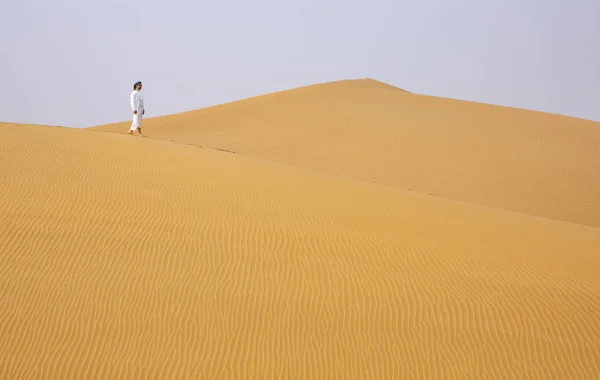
pixel 132 258
pixel 513 159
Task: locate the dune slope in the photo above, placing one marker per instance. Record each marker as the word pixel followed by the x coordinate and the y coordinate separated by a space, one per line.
pixel 124 257
pixel 531 162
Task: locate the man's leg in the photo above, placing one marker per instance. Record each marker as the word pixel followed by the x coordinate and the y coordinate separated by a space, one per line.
pixel 134 125
pixel 139 122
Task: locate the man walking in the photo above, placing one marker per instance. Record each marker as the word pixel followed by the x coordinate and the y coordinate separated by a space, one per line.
pixel 137 105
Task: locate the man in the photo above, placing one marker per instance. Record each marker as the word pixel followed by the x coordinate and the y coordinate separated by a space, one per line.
pixel 137 105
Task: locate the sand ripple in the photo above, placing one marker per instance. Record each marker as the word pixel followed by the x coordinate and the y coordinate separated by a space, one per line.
pixel 132 258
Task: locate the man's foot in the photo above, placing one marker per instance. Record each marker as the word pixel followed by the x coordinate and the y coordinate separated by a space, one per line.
pixel 130 133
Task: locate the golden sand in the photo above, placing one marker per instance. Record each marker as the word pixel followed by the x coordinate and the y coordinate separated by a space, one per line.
pixel 512 159
pixel 133 258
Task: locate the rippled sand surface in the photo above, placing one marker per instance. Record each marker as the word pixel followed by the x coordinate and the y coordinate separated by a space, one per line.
pixel 302 256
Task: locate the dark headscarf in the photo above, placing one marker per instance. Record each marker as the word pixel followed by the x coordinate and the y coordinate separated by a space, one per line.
pixel 135 85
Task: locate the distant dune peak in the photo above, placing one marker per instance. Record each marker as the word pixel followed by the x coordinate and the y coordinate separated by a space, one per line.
pixel 511 159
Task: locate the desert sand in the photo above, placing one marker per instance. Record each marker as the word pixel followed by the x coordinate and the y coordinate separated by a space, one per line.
pixel 512 159
pixel 303 234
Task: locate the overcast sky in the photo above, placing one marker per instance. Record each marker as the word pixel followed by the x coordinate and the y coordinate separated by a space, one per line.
pixel 73 63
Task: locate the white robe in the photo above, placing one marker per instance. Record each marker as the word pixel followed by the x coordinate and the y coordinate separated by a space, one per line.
pixel 137 104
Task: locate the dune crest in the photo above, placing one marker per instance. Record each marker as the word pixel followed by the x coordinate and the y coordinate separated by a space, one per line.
pixel 512 159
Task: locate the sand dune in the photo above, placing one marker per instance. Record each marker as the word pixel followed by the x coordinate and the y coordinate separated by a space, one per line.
pixel 530 162
pixel 130 257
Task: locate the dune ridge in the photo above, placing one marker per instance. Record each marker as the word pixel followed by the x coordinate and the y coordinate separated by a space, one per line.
pixel 125 257
pixel 512 159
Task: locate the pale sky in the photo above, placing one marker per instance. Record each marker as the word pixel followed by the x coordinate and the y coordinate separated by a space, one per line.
pixel 73 63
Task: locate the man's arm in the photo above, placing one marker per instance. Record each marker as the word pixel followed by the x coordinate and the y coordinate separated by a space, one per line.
pixel 132 100
pixel 141 104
